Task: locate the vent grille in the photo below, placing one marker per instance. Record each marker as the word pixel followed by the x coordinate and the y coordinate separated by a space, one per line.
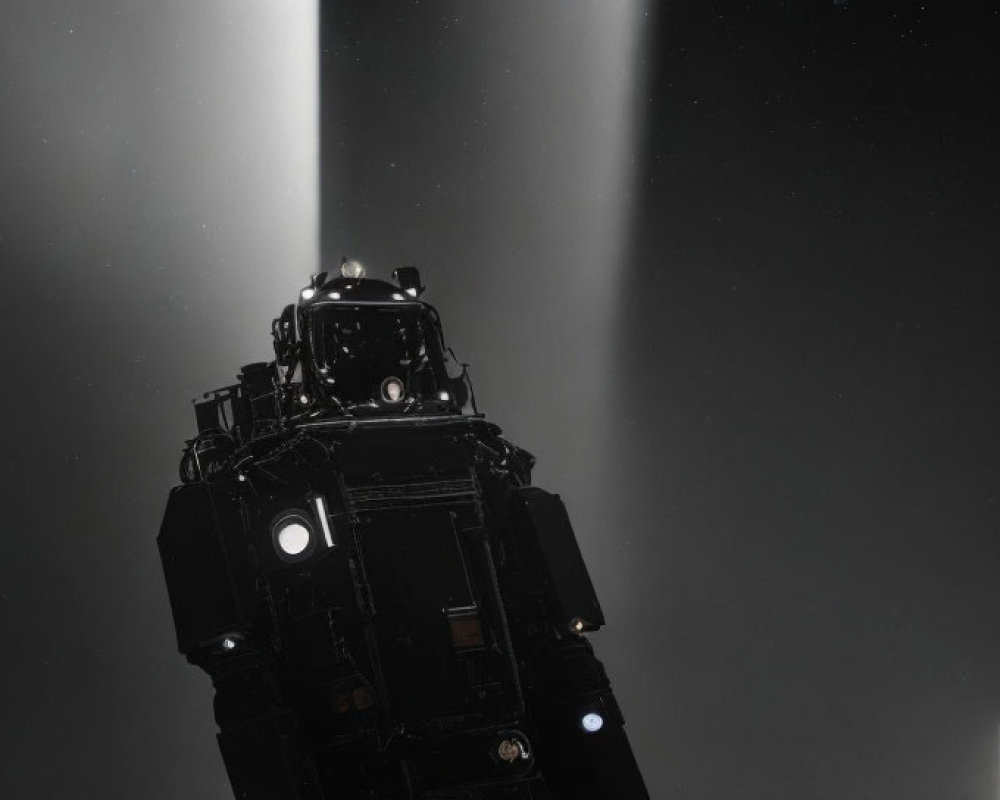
pixel 406 495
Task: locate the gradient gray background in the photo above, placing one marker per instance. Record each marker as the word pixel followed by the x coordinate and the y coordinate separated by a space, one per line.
pixel 726 268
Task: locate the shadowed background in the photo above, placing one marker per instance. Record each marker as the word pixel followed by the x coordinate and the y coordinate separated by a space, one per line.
pixel 727 269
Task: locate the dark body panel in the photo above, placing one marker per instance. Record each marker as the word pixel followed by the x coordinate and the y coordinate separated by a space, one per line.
pixel 412 637
pixel 386 607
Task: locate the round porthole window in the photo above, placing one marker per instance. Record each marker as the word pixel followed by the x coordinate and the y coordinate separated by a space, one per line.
pixel 293 536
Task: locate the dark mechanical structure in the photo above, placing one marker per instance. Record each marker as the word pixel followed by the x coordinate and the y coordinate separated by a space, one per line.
pixel 386 607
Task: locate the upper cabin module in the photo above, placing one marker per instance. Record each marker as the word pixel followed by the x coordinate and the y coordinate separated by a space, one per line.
pixel 352 347
pixel 362 346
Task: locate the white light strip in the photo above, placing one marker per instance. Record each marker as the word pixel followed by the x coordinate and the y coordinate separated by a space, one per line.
pixel 323 521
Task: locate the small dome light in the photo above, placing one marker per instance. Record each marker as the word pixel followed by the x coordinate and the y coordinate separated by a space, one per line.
pixel 412 291
pixel 444 396
pixel 352 269
pixel 334 295
pixel 228 643
pixel 304 399
pixel 308 294
pixel 592 723
pixel 397 296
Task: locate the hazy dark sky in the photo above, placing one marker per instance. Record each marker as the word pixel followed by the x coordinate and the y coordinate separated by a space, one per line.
pixel 727 268
pixel 814 471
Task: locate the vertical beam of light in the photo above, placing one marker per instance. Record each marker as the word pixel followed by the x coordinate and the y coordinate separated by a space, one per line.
pixel 493 146
pixel 610 80
pixel 226 153
pixel 229 208
pixel 158 188
pixel 246 142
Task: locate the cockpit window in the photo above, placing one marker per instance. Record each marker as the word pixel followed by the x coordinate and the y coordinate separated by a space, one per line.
pixel 357 349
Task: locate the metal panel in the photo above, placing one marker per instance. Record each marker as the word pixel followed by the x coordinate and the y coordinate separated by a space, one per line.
pixel 202 593
pixel 570 591
pixel 424 567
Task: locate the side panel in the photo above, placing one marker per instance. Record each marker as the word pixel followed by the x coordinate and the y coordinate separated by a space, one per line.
pixel 569 591
pixel 203 593
pixel 266 761
pixel 581 742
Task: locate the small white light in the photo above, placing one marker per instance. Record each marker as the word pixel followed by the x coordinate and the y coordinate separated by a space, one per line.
pixel 293 538
pixel 304 399
pixel 412 291
pixel 397 296
pixel 334 295
pixel 307 294
pixel 592 723
pixel 228 644
pixel 241 477
pixel 352 269
pixel 444 396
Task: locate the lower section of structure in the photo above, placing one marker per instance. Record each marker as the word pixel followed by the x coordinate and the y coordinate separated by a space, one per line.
pixel 570 743
pixel 388 609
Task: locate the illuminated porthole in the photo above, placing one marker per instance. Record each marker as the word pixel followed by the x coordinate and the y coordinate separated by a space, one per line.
pixel 293 536
pixel 392 390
